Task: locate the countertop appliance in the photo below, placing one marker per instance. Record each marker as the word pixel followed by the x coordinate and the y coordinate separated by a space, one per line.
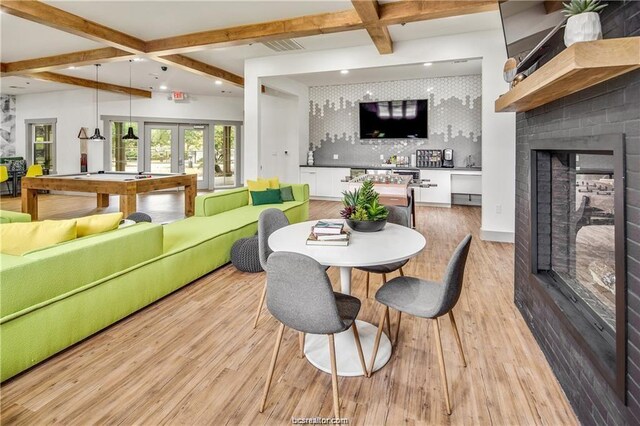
pixel 447 155
pixel 428 158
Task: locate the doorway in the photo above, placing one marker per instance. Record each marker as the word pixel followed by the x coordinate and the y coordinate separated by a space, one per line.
pixel 178 148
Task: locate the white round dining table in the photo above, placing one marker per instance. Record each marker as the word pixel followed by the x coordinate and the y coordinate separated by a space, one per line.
pixel 393 244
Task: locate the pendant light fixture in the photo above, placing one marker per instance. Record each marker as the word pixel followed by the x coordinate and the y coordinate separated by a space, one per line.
pixel 130 135
pixel 96 134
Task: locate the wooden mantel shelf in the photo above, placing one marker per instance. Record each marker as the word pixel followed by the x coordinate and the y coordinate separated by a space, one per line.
pixel 579 66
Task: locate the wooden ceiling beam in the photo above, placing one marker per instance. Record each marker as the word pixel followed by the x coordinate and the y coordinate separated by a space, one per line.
pixel 201 68
pixel 50 16
pixel 406 11
pixel 369 12
pixel 66 60
pixel 82 82
pixel 390 14
pixel 246 34
pixel 123 45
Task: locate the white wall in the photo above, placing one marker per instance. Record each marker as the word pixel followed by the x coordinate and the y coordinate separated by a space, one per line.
pixel 74 109
pixel 284 127
pixel 498 129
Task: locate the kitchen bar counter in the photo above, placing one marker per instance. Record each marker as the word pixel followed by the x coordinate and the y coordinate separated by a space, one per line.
pixel 391 166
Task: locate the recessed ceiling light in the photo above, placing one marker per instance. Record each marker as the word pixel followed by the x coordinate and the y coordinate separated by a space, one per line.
pixel 344 72
pixel 427 64
pixel 218 82
pixel 163 87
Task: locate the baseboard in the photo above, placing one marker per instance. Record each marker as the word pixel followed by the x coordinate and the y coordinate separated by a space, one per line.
pixel 497 236
pixel 425 204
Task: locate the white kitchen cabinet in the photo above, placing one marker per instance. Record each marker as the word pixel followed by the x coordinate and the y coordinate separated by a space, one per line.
pixel 310 178
pixel 324 181
pixel 439 189
pixel 466 183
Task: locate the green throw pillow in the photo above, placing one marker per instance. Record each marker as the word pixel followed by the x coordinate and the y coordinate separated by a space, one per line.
pixel 270 196
pixel 286 192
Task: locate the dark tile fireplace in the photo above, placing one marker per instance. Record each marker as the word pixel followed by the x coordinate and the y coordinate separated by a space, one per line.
pixel 577 245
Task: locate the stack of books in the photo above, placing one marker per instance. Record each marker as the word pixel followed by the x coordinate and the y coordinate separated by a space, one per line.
pixel 328 234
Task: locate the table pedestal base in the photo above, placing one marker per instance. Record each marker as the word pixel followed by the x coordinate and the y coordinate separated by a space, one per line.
pixel 316 349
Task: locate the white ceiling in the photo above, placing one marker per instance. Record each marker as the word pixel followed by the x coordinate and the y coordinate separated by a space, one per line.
pixel 391 73
pixel 22 39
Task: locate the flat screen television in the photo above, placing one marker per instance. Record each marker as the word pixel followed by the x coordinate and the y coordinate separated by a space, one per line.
pixel 394 119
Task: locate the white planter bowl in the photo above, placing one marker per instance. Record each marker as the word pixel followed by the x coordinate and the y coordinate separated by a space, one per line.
pixel 582 27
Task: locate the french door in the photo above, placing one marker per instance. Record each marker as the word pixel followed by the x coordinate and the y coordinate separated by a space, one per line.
pixel 178 148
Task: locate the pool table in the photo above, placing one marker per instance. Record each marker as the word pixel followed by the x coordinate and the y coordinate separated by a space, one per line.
pixel 126 185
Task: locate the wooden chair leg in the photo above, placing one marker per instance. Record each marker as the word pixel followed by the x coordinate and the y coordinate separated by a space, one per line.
pixel 356 337
pixel 389 325
pixel 457 336
pixel 301 342
pixel 443 372
pixel 264 294
pixel 376 343
pixel 334 377
pixel 367 288
pixel 384 281
pixel 272 366
pixel 395 341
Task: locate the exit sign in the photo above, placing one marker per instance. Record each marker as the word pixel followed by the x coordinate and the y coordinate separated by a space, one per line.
pixel 178 96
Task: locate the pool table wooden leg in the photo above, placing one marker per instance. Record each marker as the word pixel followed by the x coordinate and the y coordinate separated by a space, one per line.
pixel 30 202
pixel 103 200
pixel 190 198
pixel 128 204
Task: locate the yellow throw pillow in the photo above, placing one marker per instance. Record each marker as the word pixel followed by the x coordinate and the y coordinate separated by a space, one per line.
pixel 274 182
pixel 98 223
pixel 256 185
pixel 19 238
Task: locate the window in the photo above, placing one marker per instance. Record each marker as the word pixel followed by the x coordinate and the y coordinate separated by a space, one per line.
pixel 124 152
pixel 43 145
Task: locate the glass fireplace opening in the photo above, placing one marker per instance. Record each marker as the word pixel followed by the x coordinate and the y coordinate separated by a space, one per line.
pixel 583 233
pixel 578 242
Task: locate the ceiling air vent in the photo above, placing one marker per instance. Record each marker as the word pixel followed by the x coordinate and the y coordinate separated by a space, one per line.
pixel 285 45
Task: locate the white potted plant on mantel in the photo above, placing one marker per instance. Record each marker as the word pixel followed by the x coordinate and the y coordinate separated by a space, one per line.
pixel 584 21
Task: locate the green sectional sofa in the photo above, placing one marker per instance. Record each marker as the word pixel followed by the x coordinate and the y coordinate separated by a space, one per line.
pixel 11 217
pixel 54 297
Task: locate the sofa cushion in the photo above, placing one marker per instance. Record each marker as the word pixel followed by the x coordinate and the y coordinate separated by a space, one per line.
pixel 286 193
pixel 197 229
pixel 44 274
pixel 270 196
pixel 98 223
pixel 256 185
pixel 22 237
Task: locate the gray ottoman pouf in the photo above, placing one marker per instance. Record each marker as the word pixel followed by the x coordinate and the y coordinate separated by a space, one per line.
pixel 244 255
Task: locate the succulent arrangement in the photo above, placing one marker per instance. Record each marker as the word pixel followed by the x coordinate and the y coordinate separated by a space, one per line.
pixel 576 7
pixel 362 204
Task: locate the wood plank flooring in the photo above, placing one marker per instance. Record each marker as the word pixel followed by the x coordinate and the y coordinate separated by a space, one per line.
pixel 193 358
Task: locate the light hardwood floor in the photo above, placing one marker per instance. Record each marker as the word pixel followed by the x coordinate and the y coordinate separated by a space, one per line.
pixel 194 358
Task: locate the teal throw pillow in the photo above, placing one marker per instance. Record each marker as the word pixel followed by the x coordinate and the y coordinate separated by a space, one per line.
pixel 270 196
pixel 286 193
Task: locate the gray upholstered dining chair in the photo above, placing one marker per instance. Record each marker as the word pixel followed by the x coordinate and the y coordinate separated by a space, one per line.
pixel 300 296
pixel 426 299
pixel 398 216
pixel 269 221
